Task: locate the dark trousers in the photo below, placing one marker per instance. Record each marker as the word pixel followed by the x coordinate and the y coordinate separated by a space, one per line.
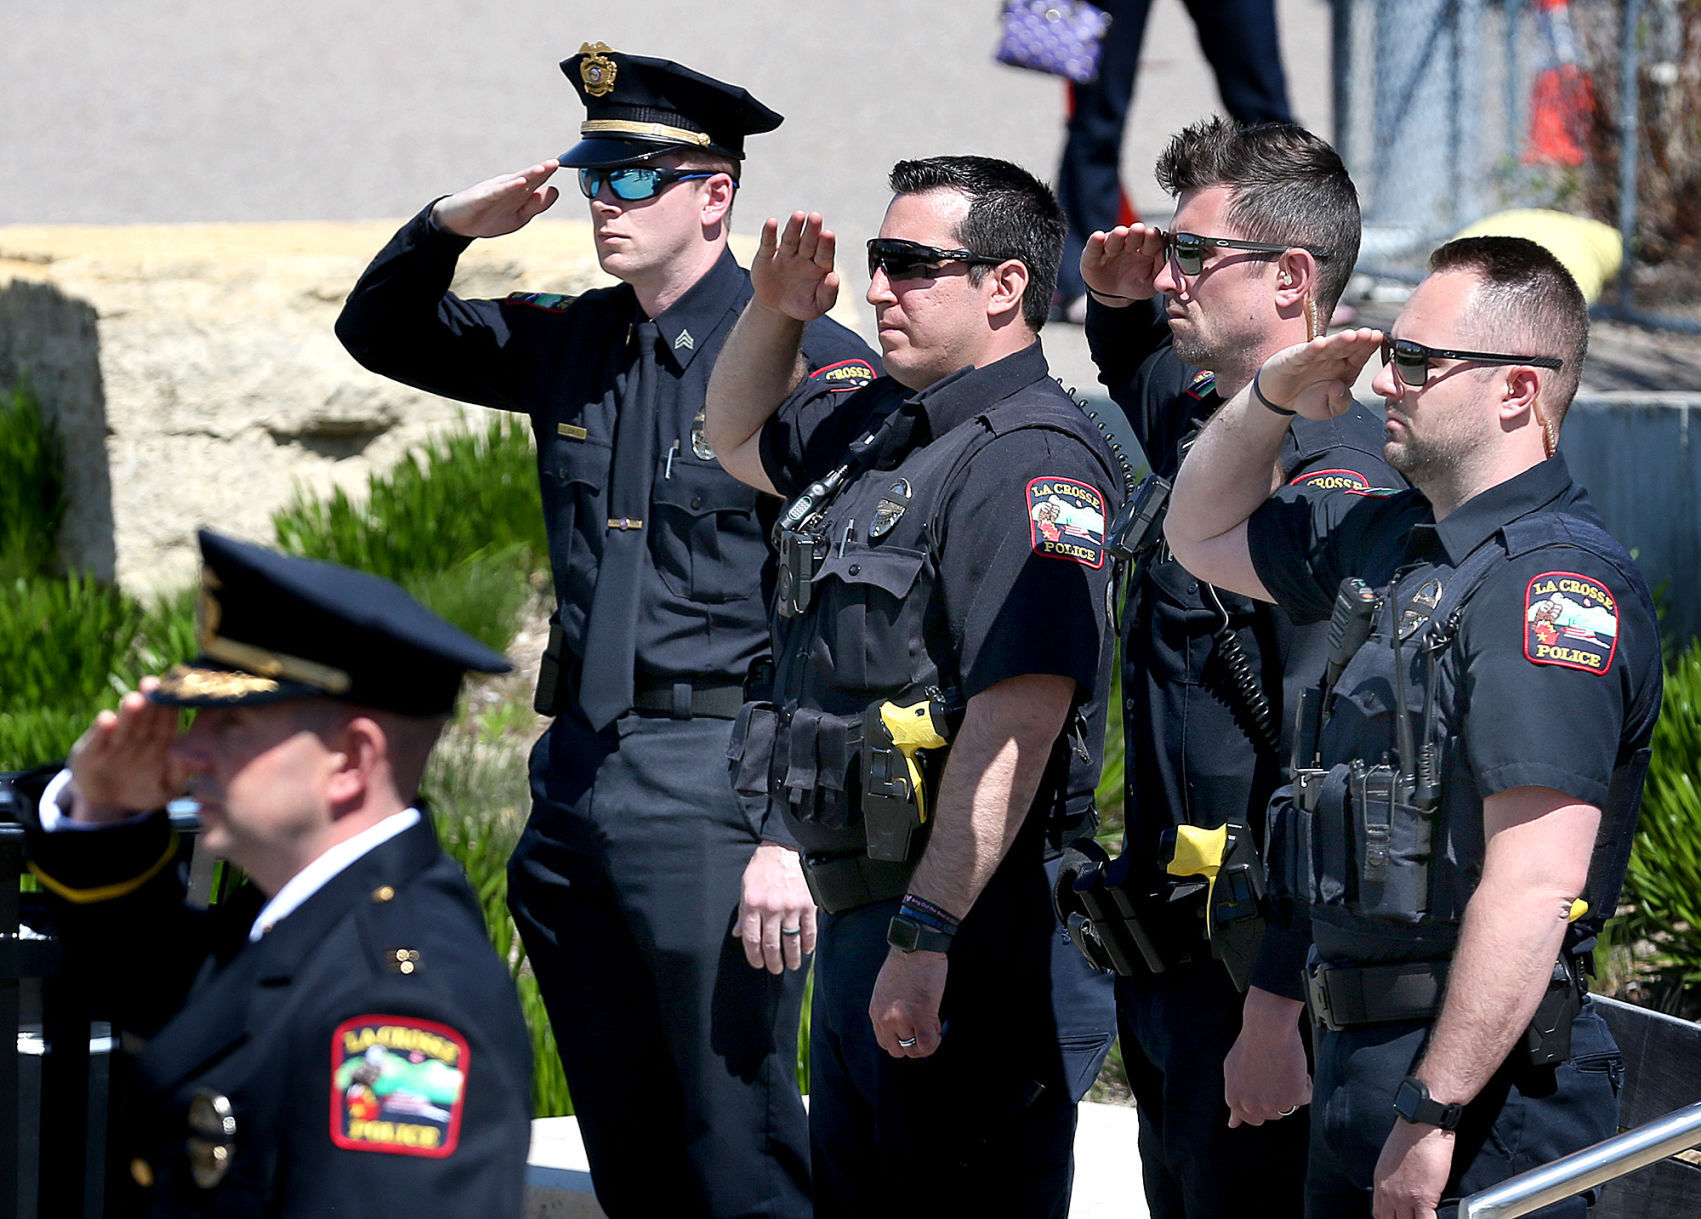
pixel 1238 38
pixel 986 1125
pixel 681 1058
pixel 1176 1028
pixel 1525 1117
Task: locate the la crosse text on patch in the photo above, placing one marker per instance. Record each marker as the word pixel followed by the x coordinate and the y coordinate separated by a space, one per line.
pixel 844 376
pixel 398 1085
pixel 1570 620
pixel 1067 518
pixel 1333 480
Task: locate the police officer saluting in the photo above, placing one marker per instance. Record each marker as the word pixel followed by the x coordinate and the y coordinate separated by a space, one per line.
pixel 640 872
pixel 1461 819
pixel 1265 235
pixel 943 584
pixel 338 1036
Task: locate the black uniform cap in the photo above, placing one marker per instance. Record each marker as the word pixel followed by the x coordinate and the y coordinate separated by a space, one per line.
pixel 274 627
pixel 637 107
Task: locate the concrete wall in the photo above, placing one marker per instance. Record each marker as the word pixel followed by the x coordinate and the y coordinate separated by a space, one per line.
pixel 1639 454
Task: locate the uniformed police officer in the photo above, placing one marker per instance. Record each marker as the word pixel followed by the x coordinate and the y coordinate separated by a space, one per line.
pixel 338 1036
pixel 1265 234
pixel 1462 833
pixel 638 860
pixel 943 578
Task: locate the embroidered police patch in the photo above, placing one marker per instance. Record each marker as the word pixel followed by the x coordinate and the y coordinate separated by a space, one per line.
pixel 844 376
pixel 549 302
pixel 1570 620
pixel 398 1084
pixel 1067 519
pixel 1333 480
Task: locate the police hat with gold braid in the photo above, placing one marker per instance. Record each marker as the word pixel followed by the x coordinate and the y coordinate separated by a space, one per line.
pixel 637 107
pixel 274 627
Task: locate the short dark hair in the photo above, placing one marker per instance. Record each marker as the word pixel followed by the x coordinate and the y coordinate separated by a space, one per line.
pixel 1285 186
pixel 1012 214
pixel 1526 303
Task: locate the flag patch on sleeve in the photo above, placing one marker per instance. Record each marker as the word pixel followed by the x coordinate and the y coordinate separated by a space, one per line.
pixel 1570 620
pixel 549 302
pixel 398 1085
pixel 1067 520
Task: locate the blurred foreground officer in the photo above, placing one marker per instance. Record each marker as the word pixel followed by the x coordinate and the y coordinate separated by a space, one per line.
pixel 1461 821
pixel 942 595
pixel 640 871
pixel 338 1037
pixel 1265 235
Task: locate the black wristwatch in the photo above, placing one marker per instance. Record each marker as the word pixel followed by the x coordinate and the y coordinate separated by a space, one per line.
pixel 909 935
pixel 1413 1103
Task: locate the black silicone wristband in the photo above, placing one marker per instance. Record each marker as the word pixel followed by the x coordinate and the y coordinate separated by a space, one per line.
pixel 1268 405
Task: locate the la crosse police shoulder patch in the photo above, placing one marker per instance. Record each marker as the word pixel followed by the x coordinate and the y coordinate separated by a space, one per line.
pixel 1067 520
pixel 1332 480
pixel 1570 620
pixel 398 1085
pixel 844 376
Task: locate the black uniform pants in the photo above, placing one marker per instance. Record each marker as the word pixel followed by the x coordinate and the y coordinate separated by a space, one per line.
pixel 986 1125
pixel 1177 1027
pixel 680 1057
pixel 1523 1118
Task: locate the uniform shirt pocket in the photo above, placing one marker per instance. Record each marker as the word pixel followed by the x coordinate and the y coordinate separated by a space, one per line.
pixel 706 542
pixel 572 478
pixel 874 626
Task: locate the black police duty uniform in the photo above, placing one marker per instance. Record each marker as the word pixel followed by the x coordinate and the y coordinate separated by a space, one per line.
pixel 934 577
pixel 391 952
pixel 1531 691
pixel 627 877
pixel 1196 756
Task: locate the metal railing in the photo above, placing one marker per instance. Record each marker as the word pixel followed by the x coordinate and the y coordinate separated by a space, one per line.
pixel 1581 1170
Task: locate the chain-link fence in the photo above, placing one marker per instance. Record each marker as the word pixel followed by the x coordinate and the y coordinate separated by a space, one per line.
pixel 1448 111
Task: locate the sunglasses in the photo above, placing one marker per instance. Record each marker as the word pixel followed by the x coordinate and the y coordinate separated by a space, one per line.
pixel 1188 251
pixel 633 183
pixel 1411 360
pixel 910 259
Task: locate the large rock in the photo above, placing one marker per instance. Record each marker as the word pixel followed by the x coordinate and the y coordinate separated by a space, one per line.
pixel 195 378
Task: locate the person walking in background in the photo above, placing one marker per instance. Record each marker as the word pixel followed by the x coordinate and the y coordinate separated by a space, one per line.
pixel 1239 39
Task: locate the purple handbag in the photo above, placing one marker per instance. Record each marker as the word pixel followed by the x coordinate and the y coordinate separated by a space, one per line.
pixel 1062 37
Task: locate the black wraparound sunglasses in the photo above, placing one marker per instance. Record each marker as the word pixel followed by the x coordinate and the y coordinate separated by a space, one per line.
pixel 633 183
pixel 1189 250
pixel 1411 360
pixel 908 259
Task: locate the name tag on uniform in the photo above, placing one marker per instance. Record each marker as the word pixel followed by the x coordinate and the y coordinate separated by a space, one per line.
pixel 571 431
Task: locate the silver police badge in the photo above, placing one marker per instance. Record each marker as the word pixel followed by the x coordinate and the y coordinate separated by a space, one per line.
pixel 212 1137
pixel 890 508
pixel 1420 607
pixel 700 446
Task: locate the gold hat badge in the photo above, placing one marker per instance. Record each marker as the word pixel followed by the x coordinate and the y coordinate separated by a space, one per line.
pixel 596 69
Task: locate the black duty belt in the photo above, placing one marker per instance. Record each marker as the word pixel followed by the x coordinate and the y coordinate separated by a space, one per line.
pixel 844 882
pixel 1341 996
pixel 683 700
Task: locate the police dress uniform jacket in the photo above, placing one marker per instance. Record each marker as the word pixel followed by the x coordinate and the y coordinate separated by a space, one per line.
pixel 965 549
pixel 1198 753
pixel 365 1056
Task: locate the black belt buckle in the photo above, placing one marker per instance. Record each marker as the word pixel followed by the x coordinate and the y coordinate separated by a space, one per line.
pixel 1317 998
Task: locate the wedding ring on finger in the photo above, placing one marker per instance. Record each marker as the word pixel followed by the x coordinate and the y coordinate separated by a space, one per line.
pixel 906 1042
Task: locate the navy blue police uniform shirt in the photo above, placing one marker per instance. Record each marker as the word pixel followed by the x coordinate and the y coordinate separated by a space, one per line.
pixel 565 362
pixel 995 568
pixel 1554 673
pixel 1191 754
pixel 370 1044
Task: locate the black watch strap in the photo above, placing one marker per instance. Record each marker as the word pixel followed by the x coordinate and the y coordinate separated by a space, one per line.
pixel 1414 1104
pixel 912 935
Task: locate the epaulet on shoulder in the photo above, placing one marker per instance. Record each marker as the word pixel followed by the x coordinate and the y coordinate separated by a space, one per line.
pixel 1562 529
pixel 844 376
pixel 548 302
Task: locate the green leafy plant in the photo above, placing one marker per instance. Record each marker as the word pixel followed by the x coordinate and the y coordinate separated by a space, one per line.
pixel 32 490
